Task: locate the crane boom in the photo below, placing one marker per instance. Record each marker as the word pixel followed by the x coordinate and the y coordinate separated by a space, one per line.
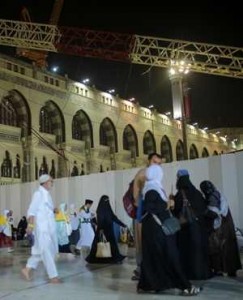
pixel 202 57
pixel 29 35
pixel 151 51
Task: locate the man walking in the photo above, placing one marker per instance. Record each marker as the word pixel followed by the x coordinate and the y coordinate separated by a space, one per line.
pixel 41 224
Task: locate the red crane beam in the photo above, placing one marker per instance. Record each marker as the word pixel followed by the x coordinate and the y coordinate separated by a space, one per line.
pixel 99 44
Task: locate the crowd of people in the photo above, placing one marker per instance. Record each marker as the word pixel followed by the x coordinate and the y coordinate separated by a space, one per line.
pixel 204 246
pixel 55 230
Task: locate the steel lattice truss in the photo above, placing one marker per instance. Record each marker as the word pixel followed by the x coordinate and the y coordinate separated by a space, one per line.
pixel 202 57
pixel 92 43
pixel 150 51
pixel 29 35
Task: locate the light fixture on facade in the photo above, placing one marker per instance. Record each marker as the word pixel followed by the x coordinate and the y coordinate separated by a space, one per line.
pixel 55 69
pixel 111 91
pixel 85 81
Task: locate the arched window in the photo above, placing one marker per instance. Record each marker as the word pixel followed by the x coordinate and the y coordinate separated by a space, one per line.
pixel 179 150
pixel 6 167
pixel 45 121
pixel 82 128
pixel 17 167
pixel 166 149
pixel 108 135
pixel 205 152
pixel 193 152
pixel 8 114
pixel 52 121
pixel 149 145
pixel 130 140
pixel 75 171
pixel 44 169
pixel 53 169
pixel 215 153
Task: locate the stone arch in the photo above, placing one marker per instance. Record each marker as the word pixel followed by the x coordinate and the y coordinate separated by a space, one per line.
pixel 193 152
pixel 149 145
pixel 82 128
pixel 130 140
pixel 22 111
pixel 179 150
pixel 205 152
pixel 166 149
pixel 108 135
pixel 56 120
pixel 215 152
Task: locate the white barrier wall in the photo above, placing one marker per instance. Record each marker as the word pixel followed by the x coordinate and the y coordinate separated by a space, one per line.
pixel 225 171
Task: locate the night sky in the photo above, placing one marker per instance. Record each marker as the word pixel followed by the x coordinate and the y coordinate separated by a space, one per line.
pixel 216 101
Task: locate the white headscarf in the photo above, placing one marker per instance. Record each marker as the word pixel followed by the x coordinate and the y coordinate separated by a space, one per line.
pixel 224 206
pixel 154 175
pixel 5 212
pixel 63 207
pixel 72 208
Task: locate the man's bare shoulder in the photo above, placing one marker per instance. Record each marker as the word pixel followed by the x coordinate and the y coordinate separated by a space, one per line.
pixel 141 172
pixel 140 175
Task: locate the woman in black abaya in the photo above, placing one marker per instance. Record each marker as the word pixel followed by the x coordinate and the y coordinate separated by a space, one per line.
pixel 224 256
pixel 160 267
pixel 192 238
pixel 105 218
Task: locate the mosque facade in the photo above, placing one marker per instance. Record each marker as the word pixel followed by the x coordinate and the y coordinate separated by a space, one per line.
pixel 51 124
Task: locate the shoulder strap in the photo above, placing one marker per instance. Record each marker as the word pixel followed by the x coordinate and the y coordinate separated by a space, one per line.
pixel 157 220
pixel 185 200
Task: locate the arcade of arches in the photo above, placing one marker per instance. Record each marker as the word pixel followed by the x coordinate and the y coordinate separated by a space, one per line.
pixel 51 122
pixel 41 133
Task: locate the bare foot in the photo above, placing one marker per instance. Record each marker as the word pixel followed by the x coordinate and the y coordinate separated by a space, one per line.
pixel 26 273
pixel 55 280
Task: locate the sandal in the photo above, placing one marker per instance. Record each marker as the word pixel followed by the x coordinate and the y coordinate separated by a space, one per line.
pixel 192 291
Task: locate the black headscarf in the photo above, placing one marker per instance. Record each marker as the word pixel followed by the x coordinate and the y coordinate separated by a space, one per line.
pixel 207 187
pixel 193 195
pixel 105 214
pixel 104 210
pixel 210 192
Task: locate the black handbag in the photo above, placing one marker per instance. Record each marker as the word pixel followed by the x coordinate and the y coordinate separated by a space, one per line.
pixel 187 215
pixel 169 226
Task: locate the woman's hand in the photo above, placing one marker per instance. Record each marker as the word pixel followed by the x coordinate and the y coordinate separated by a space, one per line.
pixel 29 228
pixel 171 197
pixel 171 204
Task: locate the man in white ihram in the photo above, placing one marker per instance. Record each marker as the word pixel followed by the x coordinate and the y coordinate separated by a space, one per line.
pixel 41 223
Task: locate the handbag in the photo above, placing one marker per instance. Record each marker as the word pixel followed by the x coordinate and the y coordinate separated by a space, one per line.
pixel 103 247
pixel 170 225
pixel 128 201
pixel 187 215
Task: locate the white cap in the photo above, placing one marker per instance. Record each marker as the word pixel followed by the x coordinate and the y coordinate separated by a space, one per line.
pixel 44 178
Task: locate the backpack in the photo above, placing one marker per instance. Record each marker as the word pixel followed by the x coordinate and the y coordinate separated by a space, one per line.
pixel 128 201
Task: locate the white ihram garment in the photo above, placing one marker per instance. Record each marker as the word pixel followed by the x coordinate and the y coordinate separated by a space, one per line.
pixel 45 245
pixel 86 230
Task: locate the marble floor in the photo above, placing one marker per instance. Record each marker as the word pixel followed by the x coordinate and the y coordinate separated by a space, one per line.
pixel 103 282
